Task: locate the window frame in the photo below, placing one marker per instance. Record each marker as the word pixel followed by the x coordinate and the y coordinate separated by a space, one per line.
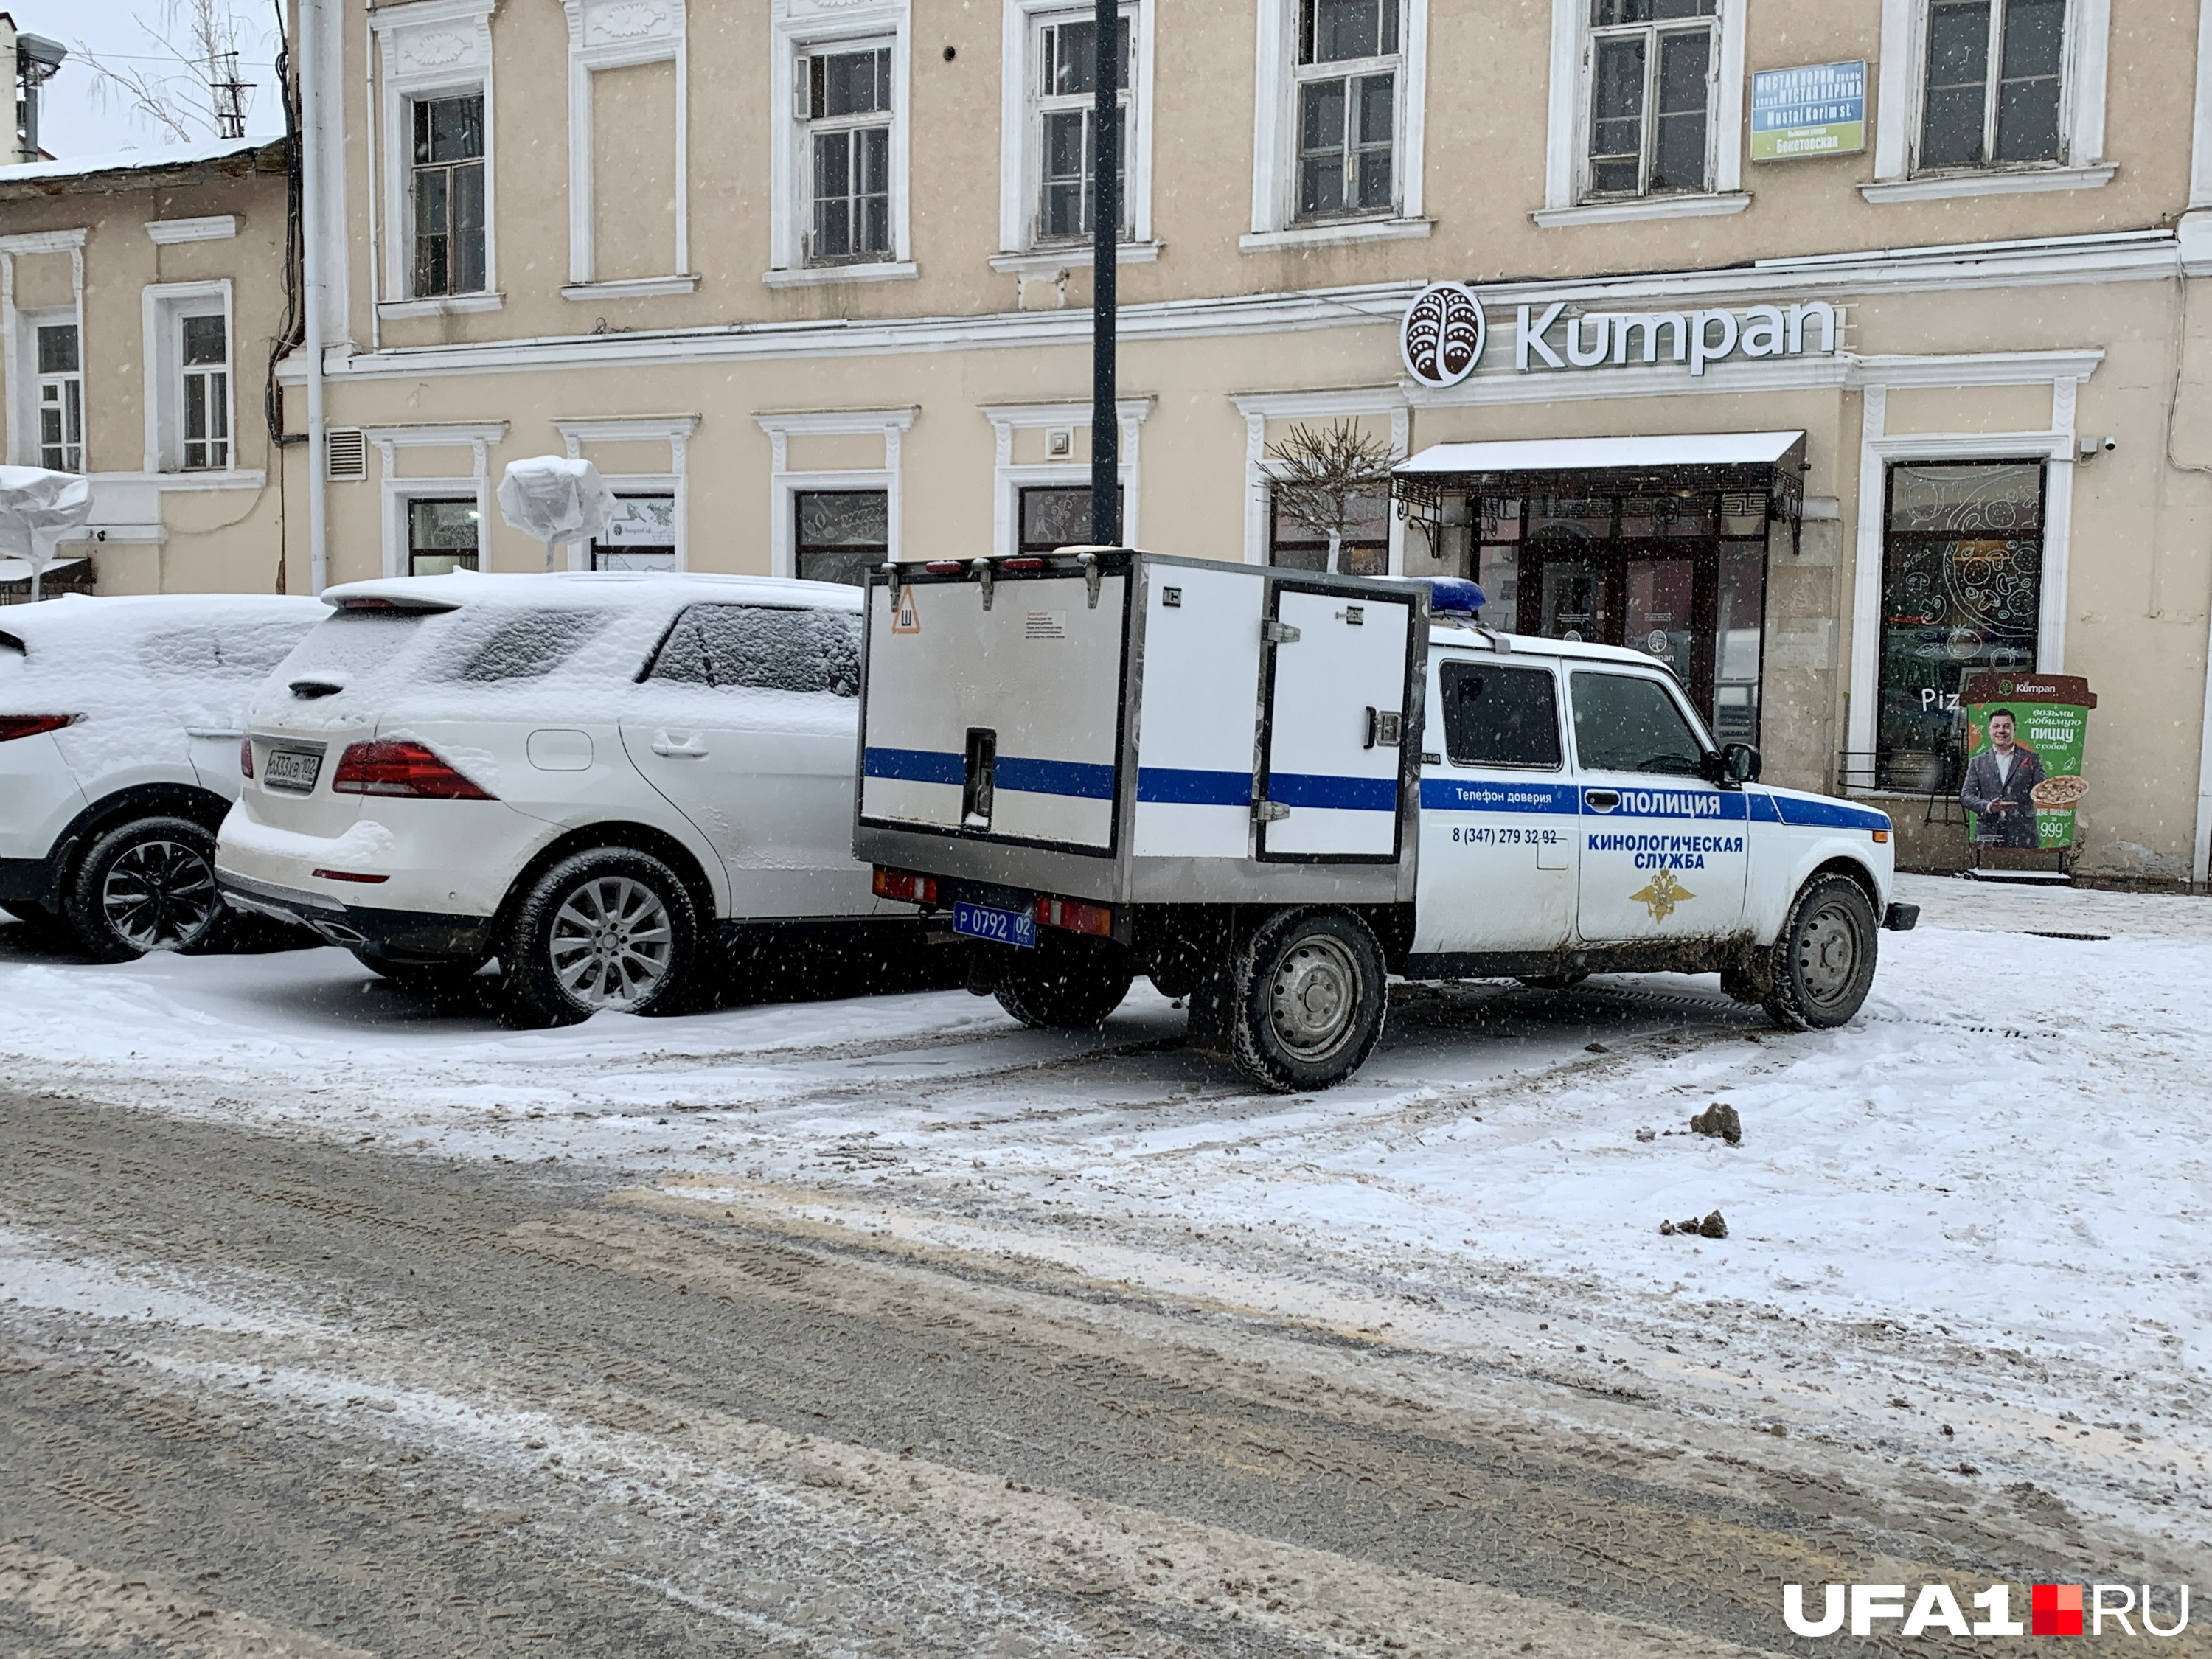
pixel 791 152
pixel 1992 95
pixel 1559 712
pixel 1021 132
pixel 34 323
pixel 1669 687
pixel 812 127
pixel 1276 221
pixel 875 552
pixel 165 308
pixel 216 449
pixel 451 168
pixel 1042 104
pixel 1348 71
pixel 445 497
pixel 1654 34
pixel 427 50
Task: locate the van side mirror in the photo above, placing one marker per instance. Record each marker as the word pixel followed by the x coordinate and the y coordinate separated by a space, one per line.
pixel 1739 763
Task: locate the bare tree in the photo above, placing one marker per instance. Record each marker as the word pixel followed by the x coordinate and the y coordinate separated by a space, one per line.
pixel 1323 474
pixel 189 88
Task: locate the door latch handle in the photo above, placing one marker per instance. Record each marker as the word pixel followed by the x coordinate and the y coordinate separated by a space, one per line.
pixel 691 748
pixel 1269 811
pixel 1278 633
pixel 1604 800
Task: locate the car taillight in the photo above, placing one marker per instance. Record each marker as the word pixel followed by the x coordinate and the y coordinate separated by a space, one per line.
pixel 390 767
pixel 29 725
pixel 246 756
pixel 1076 916
pixel 907 890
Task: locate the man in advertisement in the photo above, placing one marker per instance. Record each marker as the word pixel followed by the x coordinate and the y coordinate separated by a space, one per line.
pixel 1999 782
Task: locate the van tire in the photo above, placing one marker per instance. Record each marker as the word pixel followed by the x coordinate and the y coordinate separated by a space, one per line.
pixel 610 927
pixel 1823 963
pixel 146 885
pixel 1068 983
pixel 1309 995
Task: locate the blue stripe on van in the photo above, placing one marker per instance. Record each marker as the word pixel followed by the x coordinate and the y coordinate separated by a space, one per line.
pixel 916 766
pixel 1085 779
pixel 1824 814
pixel 1315 789
pixel 1181 786
pixel 1496 795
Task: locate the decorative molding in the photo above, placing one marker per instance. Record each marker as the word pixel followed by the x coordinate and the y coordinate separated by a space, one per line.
pixel 1633 210
pixel 476 434
pixel 674 430
pixel 443 304
pixel 1054 260
pixel 1274 120
pixel 607 34
pixel 630 287
pixel 626 429
pixel 1341 233
pixel 797 24
pixel 216 228
pixel 1018 183
pixel 161 305
pixel 42 241
pixel 1258 408
pixel 1022 417
pixel 428 48
pixel 1566 120
pixel 890 424
pixel 894 270
pixel 1009 480
pixel 1998 181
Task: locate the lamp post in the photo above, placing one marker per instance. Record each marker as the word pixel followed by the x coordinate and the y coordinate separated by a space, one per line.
pixel 1106 226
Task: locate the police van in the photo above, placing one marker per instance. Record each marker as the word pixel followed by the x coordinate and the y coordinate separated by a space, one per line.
pixel 1270 791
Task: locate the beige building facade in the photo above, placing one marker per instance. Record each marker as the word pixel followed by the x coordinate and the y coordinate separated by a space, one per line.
pixel 143 300
pixel 808 280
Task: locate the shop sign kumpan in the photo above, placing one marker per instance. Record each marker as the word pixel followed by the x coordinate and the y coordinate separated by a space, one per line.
pixel 1442 335
pixel 2023 743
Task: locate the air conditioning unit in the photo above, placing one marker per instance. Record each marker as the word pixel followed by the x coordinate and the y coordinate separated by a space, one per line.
pixel 345 454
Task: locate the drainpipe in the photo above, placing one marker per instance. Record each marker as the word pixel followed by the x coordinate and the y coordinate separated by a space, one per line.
pixel 311 210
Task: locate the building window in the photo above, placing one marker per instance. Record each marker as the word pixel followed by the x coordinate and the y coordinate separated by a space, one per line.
pixel 1650 95
pixel 1961 593
pixel 839 535
pixel 441 535
pixel 446 193
pixel 1053 516
pixel 1363 548
pixel 61 399
pixel 843 101
pixel 1064 125
pixel 1995 82
pixel 203 349
pixel 1347 87
pixel 642 535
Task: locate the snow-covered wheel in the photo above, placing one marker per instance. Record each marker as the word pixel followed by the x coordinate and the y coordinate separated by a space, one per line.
pixel 1823 963
pixel 1307 997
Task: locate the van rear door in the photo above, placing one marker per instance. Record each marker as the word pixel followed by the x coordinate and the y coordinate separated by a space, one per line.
pixel 1339 691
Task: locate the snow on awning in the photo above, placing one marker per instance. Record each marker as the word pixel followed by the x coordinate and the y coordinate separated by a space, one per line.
pixel 1690 449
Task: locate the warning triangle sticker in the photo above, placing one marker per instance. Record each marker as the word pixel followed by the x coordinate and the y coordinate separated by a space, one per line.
pixel 909 620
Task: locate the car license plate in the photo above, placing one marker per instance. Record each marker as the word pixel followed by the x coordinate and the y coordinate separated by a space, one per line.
pixel 1000 926
pixel 292 770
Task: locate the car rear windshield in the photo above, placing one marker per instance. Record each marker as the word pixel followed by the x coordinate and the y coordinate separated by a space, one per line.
pixel 765 647
pixel 360 647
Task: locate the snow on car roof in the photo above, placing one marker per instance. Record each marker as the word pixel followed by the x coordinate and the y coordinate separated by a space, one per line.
pixel 74 617
pixel 1459 638
pixel 596 588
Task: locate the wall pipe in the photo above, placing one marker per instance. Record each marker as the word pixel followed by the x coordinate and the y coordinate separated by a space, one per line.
pixel 311 210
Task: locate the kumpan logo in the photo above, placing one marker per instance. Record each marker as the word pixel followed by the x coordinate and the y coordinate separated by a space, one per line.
pixel 1441 337
pixel 2053 1610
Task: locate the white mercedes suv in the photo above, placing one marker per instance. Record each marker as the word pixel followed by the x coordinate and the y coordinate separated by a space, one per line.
pixel 585 776
pixel 119 724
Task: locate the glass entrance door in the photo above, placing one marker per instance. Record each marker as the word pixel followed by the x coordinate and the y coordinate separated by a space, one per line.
pixel 1658 601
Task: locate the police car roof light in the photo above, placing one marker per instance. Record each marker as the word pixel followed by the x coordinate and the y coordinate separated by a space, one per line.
pixel 1454 596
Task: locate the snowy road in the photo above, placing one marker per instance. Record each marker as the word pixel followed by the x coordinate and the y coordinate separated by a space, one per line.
pixel 1960 1290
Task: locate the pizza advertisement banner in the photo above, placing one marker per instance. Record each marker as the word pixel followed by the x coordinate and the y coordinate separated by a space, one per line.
pixel 2024 739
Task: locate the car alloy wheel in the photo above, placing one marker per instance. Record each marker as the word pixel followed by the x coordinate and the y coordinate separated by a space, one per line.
pixel 159 895
pixel 612 943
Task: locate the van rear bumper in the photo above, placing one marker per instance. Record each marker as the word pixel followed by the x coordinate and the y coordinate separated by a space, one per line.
pixel 402 935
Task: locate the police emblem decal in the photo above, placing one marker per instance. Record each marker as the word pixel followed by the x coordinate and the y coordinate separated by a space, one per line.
pixel 1661 894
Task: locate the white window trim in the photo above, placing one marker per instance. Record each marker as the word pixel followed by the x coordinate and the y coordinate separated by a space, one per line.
pixel 1566 140
pixel 1018 160
pixel 606 34
pixel 1260 408
pixel 1898 112
pixel 477 437
pixel 27 372
pixel 674 430
pixel 1877 451
pixel 22 414
pixel 432 49
pixel 794 24
pixel 784 484
pixel 161 305
pixel 1275 143
pixel 215 228
pixel 1008 480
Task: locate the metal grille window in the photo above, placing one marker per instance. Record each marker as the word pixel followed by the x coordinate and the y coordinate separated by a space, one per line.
pixel 204 351
pixel 1652 74
pixel 1347 106
pixel 1066 124
pixel 447 194
pixel 840 534
pixel 1961 593
pixel 1971 116
pixel 441 535
pixel 844 100
pixel 61 399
